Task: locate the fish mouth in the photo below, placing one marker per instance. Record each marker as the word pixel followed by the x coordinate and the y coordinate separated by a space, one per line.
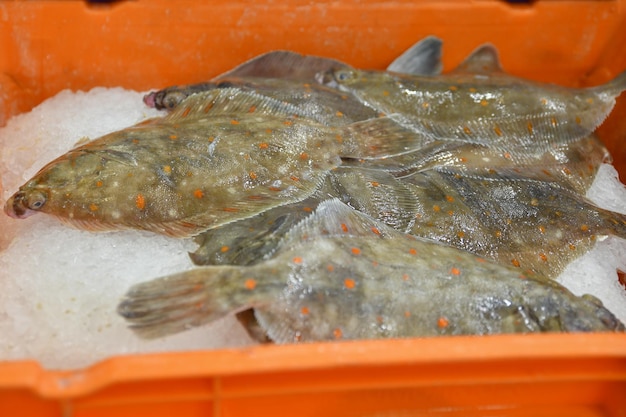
pixel 16 208
pixel 150 99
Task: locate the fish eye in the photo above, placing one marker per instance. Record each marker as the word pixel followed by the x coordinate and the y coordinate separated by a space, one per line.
pixel 173 98
pixel 36 200
pixel 344 75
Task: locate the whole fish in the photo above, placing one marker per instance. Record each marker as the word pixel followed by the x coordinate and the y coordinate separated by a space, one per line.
pixel 294 77
pixel 222 156
pixel 479 103
pixel 341 275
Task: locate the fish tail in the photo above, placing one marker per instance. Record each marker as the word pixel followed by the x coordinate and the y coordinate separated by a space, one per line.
pixel 189 299
pixel 614 87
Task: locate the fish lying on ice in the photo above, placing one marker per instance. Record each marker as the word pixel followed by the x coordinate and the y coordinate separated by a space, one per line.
pixel 339 274
pixel 479 103
pixel 225 155
pixel 294 75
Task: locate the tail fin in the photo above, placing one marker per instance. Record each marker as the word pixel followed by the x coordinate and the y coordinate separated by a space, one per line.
pixel 189 299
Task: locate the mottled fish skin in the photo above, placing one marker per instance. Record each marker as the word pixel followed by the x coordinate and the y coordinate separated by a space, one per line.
pixel 537 226
pixel 341 275
pixel 479 103
pixel 290 76
pixel 222 156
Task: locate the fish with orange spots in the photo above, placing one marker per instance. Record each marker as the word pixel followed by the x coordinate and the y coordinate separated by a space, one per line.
pixel 481 104
pixel 289 76
pixel 195 169
pixel 339 274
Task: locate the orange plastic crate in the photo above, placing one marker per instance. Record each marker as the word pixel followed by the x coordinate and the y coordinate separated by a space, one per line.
pixel 47 46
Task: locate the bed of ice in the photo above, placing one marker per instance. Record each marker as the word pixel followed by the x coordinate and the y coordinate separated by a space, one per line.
pixel 60 286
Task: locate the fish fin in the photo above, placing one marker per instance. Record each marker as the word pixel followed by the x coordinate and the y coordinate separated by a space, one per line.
pixel 379 138
pixel 378 194
pixel 284 64
pixel 251 240
pixel 612 88
pixel 423 58
pixel 333 219
pixel 189 299
pixel 228 102
pixel 483 60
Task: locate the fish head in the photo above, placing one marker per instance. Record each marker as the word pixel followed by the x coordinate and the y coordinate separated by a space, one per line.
pixel 69 188
pixel 26 202
pixel 166 99
pixel 340 78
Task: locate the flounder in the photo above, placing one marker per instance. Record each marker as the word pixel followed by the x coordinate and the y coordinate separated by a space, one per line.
pixel 479 103
pixel 339 274
pixel 223 155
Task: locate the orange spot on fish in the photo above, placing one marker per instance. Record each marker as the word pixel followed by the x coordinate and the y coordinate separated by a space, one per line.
pixel 355 251
pixel 542 229
pixel 529 127
pixel 515 263
pixel 578 121
pixel 374 183
pixel 186 112
pixel 99 184
pixel 140 202
pixel 584 228
pixel 442 322
pixel 173 137
pixel 472 90
pixel 304 156
pixel 339 138
pixel 167 169
pixel 274 189
pixel 507 155
pixel 460 234
pixel 252 109
pixel 287 123
pixel 304 311
pixel 498 233
pixel 337 333
pixel 450 212
pixel 252 175
pixel 497 130
pixel 385 93
pixel 455 271
pixel 375 231
pixel 307 209
pixel 349 283
pixel 483 102
pixel 250 284
pixel 93 207
pixel 553 121
pixel 297 260
pixel 436 208
pixel 425 105
pixel 198 193
pixel 407 314
pixel 234 122
pixel 224 249
pixel 294 178
pixel 405 277
pixel 450 198
pixel 268 130
pixel 208 107
pixel 467 130
pixel 344 227
pixel 543 257
pixel 230 209
pixel 544 101
pixel 589 100
pixel 135 141
pixel 338 113
pixel 453 88
pixel 330 268
pixel 413 251
pixel 255 197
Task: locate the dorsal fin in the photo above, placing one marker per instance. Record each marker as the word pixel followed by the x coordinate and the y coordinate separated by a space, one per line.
pixel 229 101
pixel 484 60
pixel 423 58
pixel 284 64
